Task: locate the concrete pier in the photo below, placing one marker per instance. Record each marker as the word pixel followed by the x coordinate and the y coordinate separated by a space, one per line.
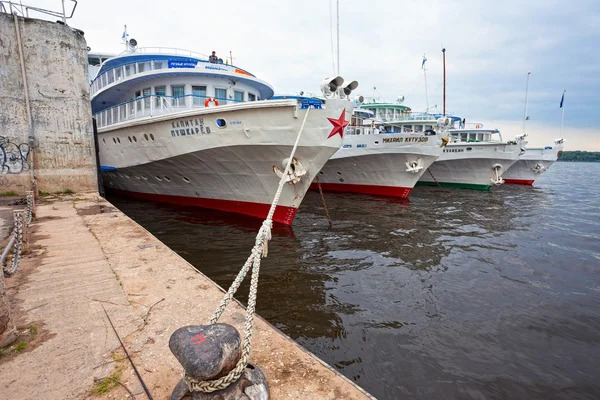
pixel 86 254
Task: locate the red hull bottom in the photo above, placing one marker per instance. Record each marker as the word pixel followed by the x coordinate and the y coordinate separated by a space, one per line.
pixel 519 181
pixel 392 191
pixel 283 215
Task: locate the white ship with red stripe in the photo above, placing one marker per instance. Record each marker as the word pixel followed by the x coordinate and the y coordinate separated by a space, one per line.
pixel 534 162
pixel 175 128
pixel 380 158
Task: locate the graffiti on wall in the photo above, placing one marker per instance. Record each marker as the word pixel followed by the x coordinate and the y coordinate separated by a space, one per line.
pixel 13 157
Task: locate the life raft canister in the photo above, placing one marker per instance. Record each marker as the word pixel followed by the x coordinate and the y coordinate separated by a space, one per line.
pixel 208 100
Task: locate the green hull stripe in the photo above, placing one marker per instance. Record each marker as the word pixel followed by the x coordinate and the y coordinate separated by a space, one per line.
pixel 472 186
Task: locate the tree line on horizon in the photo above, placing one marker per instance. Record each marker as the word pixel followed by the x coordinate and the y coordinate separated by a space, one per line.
pixel 578 155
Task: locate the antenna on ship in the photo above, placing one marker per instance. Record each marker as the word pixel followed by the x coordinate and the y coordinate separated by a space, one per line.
pixel 562 118
pixel 525 116
pixel 444 58
pixel 338 37
pixel 425 75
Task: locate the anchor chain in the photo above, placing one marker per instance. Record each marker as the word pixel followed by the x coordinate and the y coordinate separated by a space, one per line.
pixel 436 182
pixel 18 246
pixel 259 251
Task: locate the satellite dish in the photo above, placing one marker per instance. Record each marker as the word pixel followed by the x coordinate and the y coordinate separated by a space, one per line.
pixel 133 42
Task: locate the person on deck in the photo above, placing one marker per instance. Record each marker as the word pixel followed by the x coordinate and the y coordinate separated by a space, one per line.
pixel 463 124
pixel 213 58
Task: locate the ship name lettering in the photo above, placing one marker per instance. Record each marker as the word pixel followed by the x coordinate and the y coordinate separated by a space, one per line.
pixel 194 126
pixel 420 139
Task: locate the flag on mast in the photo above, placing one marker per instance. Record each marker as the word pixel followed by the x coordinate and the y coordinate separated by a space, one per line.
pixel 423 63
pixel 562 99
pixel 125 34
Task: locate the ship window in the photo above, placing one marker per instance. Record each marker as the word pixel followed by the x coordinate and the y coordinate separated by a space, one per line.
pixel 463 137
pixel 144 178
pixel 199 93
pixel 178 92
pixel 238 96
pixel 138 94
pixel 221 94
pixel 128 70
pixel 135 139
pixel 118 72
pixel 114 141
pixel 119 140
pixel 160 91
pixel 251 97
pixel 146 93
pixel 152 137
pixel 428 127
pixel 158 65
pixel 221 123
pixel 167 178
pixel 186 179
pixel 146 136
pixel 418 128
pixel 140 67
pixel 407 128
pixel 158 178
pixel 104 140
pixel 129 137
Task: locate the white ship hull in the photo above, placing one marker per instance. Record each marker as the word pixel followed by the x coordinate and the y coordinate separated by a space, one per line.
pixel 471 165
pixel 377 164
pixel 184 158
pixel 531 165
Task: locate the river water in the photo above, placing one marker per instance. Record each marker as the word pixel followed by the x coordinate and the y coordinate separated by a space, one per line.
pixel 453 294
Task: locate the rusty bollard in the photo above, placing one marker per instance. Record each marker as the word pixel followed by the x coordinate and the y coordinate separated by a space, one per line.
pixel 208 352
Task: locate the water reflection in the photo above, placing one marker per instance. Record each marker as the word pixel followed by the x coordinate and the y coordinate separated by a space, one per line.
pixel 455 294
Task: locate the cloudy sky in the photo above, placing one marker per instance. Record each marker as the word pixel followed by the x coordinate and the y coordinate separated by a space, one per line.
pixel 490 49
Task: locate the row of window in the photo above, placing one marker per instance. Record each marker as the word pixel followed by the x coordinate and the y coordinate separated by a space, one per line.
pixel 199 93
pixel 132 139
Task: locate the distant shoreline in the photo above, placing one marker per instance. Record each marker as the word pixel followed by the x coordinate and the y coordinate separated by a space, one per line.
pixel 580 156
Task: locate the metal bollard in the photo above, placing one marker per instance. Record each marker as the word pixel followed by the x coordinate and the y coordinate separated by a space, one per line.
pixel 208 352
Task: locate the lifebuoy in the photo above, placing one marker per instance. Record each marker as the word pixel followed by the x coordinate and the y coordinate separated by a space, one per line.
pixel 208 100
pixel 478 126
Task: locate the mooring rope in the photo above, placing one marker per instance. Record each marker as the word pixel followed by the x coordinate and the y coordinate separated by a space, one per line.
pixel 323 200
pixel 259 250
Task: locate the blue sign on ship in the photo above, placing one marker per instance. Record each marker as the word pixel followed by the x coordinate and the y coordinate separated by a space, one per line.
pixel 182 64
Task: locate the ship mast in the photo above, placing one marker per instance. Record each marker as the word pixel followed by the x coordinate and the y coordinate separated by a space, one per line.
pixel 425 75
pixel 525 116
pixel 444 57
pixel 338 37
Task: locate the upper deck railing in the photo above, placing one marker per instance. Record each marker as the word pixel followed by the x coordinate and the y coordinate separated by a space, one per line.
pixel 153 105
pixel 127 70
pixel 23 10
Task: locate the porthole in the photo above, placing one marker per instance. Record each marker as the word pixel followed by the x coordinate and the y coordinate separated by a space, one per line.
pixel 136 177
pixel 129 137
pixel 221 123
pixel 152 137
pixel 186 179
pixel 135 139
pixel 321 172
pixel 158 178
pixel 167 178
pixel 339 173
pixel 146 136
pixel 119 140
pixel 126 176
pixel 144 178
pixel 114 141
pixel 377 142
pixel 104 140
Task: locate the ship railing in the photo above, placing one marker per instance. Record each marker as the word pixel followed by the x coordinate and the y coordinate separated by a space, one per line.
pixel 153 105
pixel 127 70
pixel 23 10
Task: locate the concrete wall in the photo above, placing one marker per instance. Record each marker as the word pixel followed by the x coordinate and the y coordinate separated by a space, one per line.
pixel 56 69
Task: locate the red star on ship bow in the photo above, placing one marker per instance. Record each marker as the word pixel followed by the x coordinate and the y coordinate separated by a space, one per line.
pixel 338 125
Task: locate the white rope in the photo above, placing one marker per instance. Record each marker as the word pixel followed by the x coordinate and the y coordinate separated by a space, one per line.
pixel 259 251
